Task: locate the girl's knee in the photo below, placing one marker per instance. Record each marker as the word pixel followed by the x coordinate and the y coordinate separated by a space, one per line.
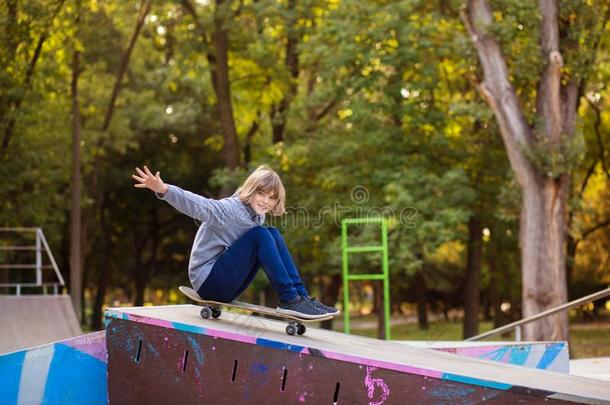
pixel 275 232
pixel 257 229
pixel 260 232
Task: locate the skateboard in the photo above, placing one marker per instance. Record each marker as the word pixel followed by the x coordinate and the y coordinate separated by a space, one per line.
pixel 213 309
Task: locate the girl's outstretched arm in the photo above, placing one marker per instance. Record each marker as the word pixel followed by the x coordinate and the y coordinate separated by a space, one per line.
pixel 191 204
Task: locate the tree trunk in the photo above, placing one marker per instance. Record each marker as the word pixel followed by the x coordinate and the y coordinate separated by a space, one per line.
pixel 291 62
pixel 224 105
pixel 421 299
pixel 98 303
pixel 144 269
pixel 485 306
pixel 84 249
pixel 139 270
pixel 219 72
pixel 140 286
pixel 572 245
pixel 93 191
pixel 542 231
pixel 379 309
pixel 473 278
pixel 542 238
pixel 144 10
pixel 329 296
pixel 75 208
pixel 494 294
pixel 249 136
pixel 104 272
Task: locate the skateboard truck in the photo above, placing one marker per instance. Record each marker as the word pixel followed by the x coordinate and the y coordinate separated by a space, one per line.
pixel 210 311
pixel 295 327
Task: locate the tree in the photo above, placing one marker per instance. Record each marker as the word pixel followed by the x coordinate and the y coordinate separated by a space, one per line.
pixel 218 47
pixel 540 150
pixel 16 35
pixel 76 281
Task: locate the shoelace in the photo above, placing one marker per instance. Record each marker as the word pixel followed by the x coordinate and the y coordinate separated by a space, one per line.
pixel 314 300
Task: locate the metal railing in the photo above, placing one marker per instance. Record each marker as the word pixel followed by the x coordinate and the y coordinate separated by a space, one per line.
pixel 518 324
pixel 40 245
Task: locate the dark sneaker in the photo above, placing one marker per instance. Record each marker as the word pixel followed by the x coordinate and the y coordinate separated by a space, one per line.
pixel 301 308
pixel 318 304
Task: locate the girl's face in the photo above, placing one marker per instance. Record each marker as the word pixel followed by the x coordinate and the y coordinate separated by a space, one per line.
pixel 262 202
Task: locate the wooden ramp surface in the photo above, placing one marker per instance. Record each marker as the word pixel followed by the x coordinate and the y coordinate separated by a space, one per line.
pixel 31 320
pixel 373 352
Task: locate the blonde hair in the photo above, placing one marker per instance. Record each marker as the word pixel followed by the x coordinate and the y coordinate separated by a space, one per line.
pixel 266 180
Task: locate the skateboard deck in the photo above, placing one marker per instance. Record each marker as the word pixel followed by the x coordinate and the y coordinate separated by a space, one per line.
pixel 213 309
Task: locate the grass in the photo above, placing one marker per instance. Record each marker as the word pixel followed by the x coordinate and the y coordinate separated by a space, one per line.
pixel 591 339
pixel 437 331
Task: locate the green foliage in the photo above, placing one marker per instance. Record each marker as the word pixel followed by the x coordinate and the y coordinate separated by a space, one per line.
pixel 382 119
pixel 554 158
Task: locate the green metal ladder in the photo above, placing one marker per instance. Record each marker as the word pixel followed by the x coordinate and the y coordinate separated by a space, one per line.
pixel 384 276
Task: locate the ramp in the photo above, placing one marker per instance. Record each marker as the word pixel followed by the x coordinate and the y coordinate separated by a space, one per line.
pixel 72 371
pixel 31 320
pixel 551 356
pixel 170 352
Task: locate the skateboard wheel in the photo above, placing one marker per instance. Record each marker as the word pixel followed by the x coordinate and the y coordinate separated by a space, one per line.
pixel 301 329
pixel 291 329
pixel 216 312
pixel 206 313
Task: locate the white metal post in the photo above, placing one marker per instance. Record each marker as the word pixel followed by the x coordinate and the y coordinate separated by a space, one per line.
pixel 38 258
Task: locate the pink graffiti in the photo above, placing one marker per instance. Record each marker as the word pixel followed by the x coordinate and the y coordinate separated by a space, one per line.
pixel 94 344
pixel 371 384
pixel 150 321
pixel 383 364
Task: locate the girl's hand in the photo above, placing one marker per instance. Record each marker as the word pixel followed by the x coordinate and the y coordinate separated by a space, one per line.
pixel 147 180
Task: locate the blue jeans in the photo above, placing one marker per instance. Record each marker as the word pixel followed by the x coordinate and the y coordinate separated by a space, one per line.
pixel 236 267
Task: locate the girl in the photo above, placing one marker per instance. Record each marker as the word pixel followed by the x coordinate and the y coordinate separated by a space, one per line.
pixel 231 243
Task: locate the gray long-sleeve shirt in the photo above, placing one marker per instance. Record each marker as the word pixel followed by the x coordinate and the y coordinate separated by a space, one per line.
pixel 223 222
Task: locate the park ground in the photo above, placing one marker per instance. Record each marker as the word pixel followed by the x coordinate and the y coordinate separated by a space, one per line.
pixel 588 339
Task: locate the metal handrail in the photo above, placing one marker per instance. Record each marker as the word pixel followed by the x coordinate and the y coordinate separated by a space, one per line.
pixel 40 246
pixel 26 284
pixel 517 325
pixel 53 262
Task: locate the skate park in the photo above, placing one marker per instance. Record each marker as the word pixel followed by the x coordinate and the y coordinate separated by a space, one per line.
pixel 288 202
pixel 154 353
